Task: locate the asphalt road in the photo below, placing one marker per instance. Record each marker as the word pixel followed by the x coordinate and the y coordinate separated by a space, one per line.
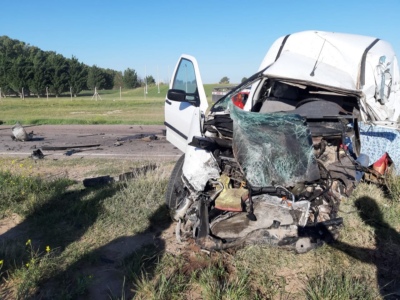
pixel 112 141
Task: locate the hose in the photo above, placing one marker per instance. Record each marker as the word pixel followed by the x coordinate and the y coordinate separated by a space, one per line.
pixel 320 164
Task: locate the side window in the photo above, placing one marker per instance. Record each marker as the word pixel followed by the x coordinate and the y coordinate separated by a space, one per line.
pixel 185 78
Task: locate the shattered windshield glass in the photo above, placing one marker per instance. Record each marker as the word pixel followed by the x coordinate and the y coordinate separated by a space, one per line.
pixel 273 148
pixel 222 105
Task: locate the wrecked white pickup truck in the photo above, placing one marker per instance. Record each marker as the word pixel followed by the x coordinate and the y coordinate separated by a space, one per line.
pixel 322 112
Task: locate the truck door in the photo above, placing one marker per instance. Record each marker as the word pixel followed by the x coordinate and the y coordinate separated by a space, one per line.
pixel 185 104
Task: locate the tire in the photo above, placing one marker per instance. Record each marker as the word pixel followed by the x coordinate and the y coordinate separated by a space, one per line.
pixel 176 190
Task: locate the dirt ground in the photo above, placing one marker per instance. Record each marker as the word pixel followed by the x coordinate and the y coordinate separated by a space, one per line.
pixel 114 141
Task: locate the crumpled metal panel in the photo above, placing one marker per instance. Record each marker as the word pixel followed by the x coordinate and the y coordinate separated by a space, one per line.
pixel 273 149
pixel 269 210
pixel 199 167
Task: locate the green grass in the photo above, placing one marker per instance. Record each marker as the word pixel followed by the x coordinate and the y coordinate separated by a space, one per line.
pixel 24 194
pixel 393 185
pixel 74 222
pixel 337 285
pixel 83 226
pixel 82 111
pixel 133 107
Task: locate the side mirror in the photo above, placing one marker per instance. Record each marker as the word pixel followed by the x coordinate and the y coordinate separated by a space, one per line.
pixel 176 95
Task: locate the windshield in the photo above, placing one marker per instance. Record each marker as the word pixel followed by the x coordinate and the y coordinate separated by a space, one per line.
pixel 273 148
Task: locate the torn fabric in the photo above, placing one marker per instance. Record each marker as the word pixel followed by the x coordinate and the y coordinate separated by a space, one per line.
pixel 376 140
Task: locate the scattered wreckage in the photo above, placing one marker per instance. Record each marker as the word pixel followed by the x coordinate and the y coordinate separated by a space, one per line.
pixel 69 142
pixel 322 112
pixel 19 133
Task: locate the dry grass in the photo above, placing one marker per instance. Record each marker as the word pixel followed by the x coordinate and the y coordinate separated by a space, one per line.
pixel 393 185
pixel 97 234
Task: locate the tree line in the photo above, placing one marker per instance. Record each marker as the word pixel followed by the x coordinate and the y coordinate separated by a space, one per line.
pixel 27 70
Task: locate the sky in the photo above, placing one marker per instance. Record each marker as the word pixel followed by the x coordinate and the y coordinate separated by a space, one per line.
pixel 228 38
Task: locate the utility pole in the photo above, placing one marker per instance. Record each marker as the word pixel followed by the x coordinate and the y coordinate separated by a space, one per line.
pixel 47 92
pixel 70 90
pixel 145 77
pixel 158 81
pixel 96 94
pixel 145 82
pixel 120 88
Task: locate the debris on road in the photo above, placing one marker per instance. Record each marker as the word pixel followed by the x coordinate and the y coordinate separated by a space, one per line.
pixel 19 133
pixel 150 138
pixel 37 154
pixel 58 139
pixel 87 135
pixel 47 148
pixel 107 179
pixel 73 151
pixel 140 136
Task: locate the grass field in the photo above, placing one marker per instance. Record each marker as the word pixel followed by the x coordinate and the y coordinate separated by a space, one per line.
pixel 131 107
pixel 66 238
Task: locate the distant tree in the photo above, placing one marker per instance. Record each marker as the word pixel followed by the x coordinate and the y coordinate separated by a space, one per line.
pixel 150 80
pixel 130 79
pixel 5 63
pixel 118 80
pixel 40 78
pixel 96 78
pixel 58 73
pixel 109 78
pixel 19 75
pixel 244 79
pixel 22 65
pixel 224 80
pixel 3 77
pixel 77 76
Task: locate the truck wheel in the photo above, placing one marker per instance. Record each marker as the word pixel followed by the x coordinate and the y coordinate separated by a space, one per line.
pixel 176 190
